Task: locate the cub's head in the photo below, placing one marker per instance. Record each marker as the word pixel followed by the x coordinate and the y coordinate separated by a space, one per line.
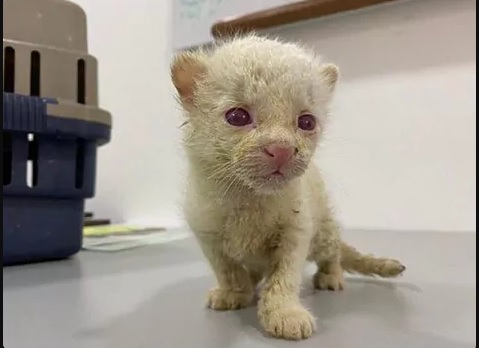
pixel 255 109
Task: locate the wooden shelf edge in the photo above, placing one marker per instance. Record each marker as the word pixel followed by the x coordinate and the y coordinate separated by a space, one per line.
pixel 287 14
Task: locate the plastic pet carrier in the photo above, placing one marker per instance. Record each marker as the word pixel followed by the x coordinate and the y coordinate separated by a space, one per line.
pixel 52 127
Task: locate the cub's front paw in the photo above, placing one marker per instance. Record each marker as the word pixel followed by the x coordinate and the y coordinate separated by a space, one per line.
pixel 328 281
pixel 223 300
pixel 290 322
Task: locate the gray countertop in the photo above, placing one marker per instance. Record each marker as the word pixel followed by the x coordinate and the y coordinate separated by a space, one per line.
pixel 154 297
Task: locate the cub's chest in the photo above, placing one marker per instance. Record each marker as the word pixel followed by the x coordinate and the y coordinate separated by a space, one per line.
pixel 250 232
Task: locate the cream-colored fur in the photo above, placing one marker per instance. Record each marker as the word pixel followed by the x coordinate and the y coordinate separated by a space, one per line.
pixel 251 227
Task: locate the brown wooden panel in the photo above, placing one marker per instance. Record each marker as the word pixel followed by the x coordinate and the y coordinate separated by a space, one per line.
pixel 287 14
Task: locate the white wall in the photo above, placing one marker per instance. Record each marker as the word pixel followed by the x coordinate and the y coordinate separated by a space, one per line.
pixel 139 172
pixel 401 153
pixel 401 150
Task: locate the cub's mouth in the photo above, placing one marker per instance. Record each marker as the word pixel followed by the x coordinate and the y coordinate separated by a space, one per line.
pixel 276 174
pixel 273 181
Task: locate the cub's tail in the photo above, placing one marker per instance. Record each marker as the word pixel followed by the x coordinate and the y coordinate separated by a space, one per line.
pixel 353 261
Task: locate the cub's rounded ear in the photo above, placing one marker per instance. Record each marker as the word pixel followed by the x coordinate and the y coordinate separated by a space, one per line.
pixel 329 73
pixel 187 68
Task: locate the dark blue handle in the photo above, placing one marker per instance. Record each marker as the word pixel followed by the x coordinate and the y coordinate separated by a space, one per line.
pixel 28 114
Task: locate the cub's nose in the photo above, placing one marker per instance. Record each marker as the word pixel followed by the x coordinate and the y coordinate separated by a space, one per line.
pixel 279 155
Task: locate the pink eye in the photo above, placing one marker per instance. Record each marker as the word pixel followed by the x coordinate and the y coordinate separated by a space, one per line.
pixel 307 122
pixel 238 117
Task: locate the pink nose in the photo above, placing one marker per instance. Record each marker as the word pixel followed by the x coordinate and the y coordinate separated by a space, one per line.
pixel 279 155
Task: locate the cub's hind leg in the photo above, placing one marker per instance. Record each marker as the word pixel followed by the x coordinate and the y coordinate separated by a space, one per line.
pixel 329 275
pixel 326 253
